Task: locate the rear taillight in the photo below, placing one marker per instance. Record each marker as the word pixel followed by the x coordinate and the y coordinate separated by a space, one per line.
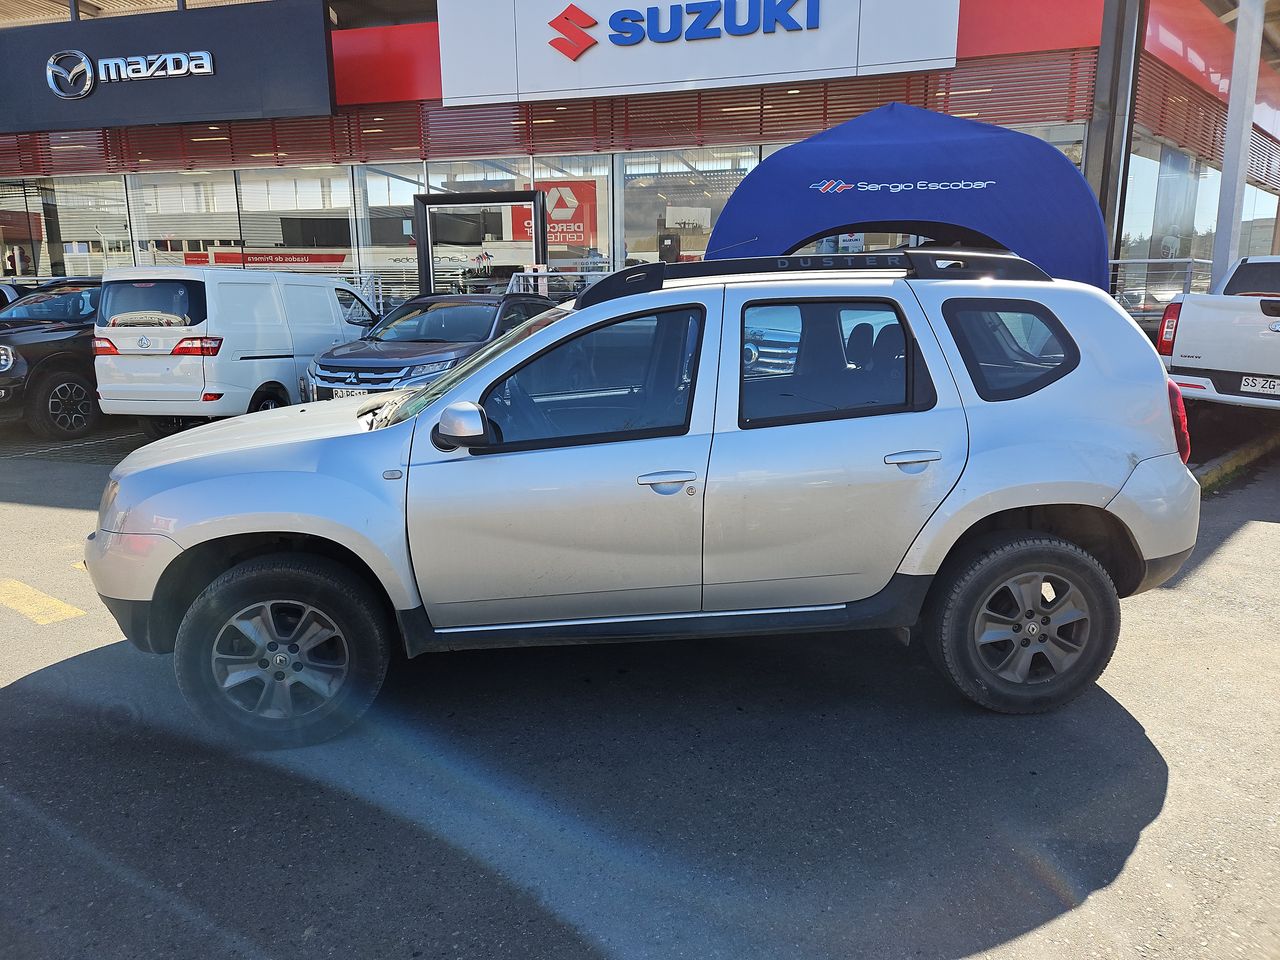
pixel 102 347
pixel 197 347
pixel 1168 329
pixel 1181 432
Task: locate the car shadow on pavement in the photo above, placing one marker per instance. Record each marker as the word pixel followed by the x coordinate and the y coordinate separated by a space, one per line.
pixel 756 798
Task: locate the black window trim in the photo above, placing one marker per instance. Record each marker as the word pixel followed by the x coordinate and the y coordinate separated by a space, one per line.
pixel 973 365
pixel 913 360
pixel 359 299
pixel 595 439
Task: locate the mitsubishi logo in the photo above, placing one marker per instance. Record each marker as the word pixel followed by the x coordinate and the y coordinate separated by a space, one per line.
pixel 572 25
pixel 69 74
pixel 562 203
pixel 353 377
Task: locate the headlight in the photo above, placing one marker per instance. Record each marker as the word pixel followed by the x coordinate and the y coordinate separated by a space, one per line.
pixel 426 369
pixel 8 356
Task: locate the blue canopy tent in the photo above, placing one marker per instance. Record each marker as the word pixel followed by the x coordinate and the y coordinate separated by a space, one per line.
pixel 901 169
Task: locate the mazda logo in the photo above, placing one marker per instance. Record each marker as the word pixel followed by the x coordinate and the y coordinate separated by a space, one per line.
pixel 70 74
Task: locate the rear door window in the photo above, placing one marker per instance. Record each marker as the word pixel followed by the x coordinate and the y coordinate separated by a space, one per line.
pixel 1012 348
pixel 152 303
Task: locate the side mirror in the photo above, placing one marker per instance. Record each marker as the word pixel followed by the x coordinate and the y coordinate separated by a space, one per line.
pixel 463 424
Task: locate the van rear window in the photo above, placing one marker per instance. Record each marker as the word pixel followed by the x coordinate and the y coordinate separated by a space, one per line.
pixel 152 303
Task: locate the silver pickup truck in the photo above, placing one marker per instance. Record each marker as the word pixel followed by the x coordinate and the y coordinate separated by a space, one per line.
pixel 1224 346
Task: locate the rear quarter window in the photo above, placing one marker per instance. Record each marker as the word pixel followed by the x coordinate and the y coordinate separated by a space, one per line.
pixel 1011 348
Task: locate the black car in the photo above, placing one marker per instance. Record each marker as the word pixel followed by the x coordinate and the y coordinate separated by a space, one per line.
pixel 418 341
pixel 46 359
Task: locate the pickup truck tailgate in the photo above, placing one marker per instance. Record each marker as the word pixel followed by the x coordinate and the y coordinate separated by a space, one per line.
pixel 1234 334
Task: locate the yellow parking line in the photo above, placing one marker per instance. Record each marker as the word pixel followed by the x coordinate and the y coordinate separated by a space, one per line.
pixel 79 565
pixel 35 606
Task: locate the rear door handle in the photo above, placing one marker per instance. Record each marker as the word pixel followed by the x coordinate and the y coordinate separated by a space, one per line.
pixel 908 457
pixel 667 482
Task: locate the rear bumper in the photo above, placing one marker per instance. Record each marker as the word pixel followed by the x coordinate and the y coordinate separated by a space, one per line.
pixel 1201 386
pixel 233 402
pixel 1160 506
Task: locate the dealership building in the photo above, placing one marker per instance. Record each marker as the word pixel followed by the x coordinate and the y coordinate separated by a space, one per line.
pixel 294 134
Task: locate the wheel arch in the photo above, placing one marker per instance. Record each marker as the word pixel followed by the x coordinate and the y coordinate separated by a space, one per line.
pixel 273 387
pixel 195 568
pixel 63 361
pixel 1092 528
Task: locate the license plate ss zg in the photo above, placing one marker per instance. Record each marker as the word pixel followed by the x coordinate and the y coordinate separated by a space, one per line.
pixel 1261 385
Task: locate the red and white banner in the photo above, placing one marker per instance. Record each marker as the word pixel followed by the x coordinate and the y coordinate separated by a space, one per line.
pixel 234 258
pixel 572 214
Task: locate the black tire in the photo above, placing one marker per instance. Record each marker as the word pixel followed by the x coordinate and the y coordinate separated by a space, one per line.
pixel 209 647
pixel 975 598
pixel 62 405
pixel 157 428
pixel 267 398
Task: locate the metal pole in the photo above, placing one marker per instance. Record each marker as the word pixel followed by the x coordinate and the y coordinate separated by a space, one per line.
pixel 1235 158
pixel 1110 132
pixel 182 4
pixel 74 7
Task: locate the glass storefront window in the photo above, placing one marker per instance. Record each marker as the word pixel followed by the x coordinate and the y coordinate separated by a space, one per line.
pixel 672 199
pixel 185 219
pixel 578 209
pixel 478 249
pixel 384 226
pixel 17 240
pixel 299 220
pixel 79 225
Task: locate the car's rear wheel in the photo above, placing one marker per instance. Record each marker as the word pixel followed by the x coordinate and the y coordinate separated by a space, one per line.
pixel 1024 623
pixel 267 398
pixel 62 406
pixel 283 651
pixel 157 428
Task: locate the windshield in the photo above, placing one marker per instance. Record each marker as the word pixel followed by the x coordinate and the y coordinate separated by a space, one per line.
pixel 152 303
pixel 1254 280
pixel 60 304
pixel 440 321
pixel 423 398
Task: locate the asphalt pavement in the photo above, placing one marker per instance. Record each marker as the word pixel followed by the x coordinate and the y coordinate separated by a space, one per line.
pixel 768 798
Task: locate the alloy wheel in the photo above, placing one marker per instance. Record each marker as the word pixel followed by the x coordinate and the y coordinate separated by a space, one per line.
pixel 280 659
pixel 1032 628
pixel 70 406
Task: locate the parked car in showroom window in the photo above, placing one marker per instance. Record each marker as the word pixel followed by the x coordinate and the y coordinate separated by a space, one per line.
pixel 417 342
pixel 176 346
pixel 1006 463
pixel 46 359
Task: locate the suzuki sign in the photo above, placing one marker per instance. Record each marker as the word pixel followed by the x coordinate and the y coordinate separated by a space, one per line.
pixel 553 49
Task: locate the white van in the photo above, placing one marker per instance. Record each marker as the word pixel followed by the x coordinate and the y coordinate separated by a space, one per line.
pixel 175 343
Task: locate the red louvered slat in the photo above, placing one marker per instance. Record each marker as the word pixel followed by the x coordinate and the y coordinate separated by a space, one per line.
pixel 1054 87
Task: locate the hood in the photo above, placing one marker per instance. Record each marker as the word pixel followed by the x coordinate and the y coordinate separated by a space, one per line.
pixel 267 440
pixel 380 354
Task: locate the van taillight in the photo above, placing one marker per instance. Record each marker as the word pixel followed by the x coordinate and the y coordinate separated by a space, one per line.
pixel 102 347
pixel 1168 329
pixel 1182 432
pixel 197 347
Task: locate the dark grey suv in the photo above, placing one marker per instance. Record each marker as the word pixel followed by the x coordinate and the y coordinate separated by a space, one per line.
pixel 417 342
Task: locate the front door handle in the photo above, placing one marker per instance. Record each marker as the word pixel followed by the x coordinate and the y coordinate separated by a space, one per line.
pixel 668 481
pixel 908 457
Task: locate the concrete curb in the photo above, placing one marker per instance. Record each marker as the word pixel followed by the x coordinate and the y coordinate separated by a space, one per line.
pixel 1220 469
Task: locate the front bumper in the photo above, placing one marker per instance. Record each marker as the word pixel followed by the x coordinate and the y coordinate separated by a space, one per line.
pixel 133 616
pixel 11 390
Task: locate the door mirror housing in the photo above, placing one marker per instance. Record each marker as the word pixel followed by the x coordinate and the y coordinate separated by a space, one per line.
pixel 463 424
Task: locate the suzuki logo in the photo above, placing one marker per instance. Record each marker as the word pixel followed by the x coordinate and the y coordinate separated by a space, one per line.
pixel 572 25
pixel 562 203
pixel 69 74
pixel 831 186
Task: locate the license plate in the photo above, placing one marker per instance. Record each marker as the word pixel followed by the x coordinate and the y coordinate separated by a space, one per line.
pixel 1261 385
pixel 338 393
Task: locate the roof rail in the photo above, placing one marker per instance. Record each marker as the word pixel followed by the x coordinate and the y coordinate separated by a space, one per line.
pixel 932 264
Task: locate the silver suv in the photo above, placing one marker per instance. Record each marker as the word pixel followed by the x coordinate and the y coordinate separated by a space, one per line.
pixel 957 447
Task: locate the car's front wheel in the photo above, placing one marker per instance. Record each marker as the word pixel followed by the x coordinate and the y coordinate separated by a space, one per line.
pixel 62 406
pixel 1024 623
pixel 283 651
